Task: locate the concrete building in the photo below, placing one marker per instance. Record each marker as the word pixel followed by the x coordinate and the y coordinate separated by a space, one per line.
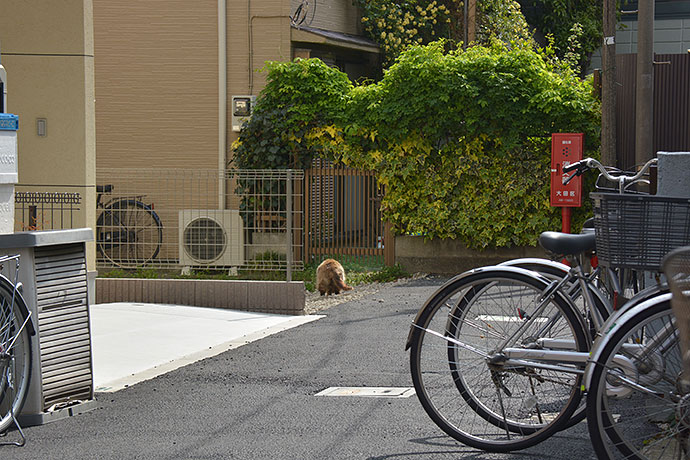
pixel 671 29
pixel 47 52
pixel 150 84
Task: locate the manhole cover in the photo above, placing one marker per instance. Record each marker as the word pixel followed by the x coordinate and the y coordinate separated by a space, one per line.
pixel 368 392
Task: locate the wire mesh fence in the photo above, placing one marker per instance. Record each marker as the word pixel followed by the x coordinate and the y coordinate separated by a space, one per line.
pixel 228 220
pixel 200 219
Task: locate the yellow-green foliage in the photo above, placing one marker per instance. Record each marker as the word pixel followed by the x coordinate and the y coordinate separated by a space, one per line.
pixel 461 140
pixel 395 25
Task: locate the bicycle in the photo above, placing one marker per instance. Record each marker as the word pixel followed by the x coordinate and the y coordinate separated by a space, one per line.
pixel 620 283
pixel 129 233
pixel 513 344
pixel 638 403
pixel 16 330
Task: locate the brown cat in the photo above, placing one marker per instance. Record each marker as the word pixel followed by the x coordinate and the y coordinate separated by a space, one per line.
pixel 330 278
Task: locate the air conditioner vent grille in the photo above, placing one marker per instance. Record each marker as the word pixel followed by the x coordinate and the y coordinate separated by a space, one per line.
pixel 204 239
pixel 211 237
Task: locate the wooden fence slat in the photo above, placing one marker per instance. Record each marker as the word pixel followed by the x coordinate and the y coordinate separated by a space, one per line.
pixel 342 215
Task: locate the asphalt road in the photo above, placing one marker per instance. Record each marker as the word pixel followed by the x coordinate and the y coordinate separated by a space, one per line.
pixel 257 401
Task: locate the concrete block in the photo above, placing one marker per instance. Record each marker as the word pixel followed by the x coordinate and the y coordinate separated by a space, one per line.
pixel 257 295
pixel 6 208
pixel 673 172
pixel 451 257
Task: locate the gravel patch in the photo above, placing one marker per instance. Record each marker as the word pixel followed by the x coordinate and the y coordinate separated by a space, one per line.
pixel 315 302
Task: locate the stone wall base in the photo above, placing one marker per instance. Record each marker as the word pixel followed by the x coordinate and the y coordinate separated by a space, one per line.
pixel 450 257
pixel 278 297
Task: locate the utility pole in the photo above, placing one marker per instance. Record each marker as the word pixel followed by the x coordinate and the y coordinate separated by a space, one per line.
pixel 644 95
pixel 472 21
pixel 608 86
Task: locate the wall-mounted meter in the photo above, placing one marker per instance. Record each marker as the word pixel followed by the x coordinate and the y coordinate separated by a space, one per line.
pixel 241 110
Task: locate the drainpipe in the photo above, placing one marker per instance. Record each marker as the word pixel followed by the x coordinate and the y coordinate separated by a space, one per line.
pixel 222 100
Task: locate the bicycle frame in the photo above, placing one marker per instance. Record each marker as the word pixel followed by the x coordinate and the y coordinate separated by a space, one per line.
pixel 615 323
pixel 553 354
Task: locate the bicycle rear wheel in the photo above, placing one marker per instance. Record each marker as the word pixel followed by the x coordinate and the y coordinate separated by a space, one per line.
pixel 129 233
pixel 15 356
pixel 472 397
pixel 635 409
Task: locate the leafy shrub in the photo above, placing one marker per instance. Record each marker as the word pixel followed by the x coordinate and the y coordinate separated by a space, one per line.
pixel 395 25
pixel 298 97
pixel 461 140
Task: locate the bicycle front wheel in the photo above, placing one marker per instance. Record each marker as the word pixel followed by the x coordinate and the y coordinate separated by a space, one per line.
pixel 636 408
pixel 458 372
pixel 129 234
pixel 15 357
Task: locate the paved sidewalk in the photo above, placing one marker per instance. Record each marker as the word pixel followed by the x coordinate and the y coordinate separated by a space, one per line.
pixel 132 342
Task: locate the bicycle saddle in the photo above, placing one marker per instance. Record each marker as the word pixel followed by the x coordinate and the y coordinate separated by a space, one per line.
pixel 567 243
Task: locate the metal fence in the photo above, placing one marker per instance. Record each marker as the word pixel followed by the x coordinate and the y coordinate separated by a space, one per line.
pixel 45 208
pixel 221 220
pixel 200 219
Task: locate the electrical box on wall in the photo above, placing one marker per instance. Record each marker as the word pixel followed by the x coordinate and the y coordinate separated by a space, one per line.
pixel 242 107
pixel 566 148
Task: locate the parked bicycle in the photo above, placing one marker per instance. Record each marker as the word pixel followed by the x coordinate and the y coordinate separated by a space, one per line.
pixel 638 391
pixel 513 344
pixel 16 329
pixel 129 233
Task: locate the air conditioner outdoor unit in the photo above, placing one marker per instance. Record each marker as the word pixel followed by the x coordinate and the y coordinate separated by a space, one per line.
pixel 211 237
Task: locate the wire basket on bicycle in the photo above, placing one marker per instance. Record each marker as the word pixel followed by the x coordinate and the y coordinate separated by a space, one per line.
pixel 637 231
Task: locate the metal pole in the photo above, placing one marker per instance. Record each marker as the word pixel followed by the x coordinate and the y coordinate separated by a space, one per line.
pixel 288 206
pixel 608 86
pixel 644 96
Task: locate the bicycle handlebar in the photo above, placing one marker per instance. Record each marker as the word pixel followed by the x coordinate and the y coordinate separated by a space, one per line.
pixel 620 178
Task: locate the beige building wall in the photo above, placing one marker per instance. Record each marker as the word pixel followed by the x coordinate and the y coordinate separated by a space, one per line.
pixel 156 83
pixel 47 50
pixel 157 73
pixel 164 89
pixel 335 15
pixel 258 31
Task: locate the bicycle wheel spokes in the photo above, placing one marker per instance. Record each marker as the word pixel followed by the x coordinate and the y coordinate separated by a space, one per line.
pixel 635 407
pixel 460 364
pixel 130 234
pixel 15 360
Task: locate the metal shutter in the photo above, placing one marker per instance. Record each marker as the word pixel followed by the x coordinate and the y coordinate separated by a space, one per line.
pixel 63 323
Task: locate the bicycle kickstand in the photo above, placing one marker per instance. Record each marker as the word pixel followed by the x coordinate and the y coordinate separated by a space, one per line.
pixel 19 443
